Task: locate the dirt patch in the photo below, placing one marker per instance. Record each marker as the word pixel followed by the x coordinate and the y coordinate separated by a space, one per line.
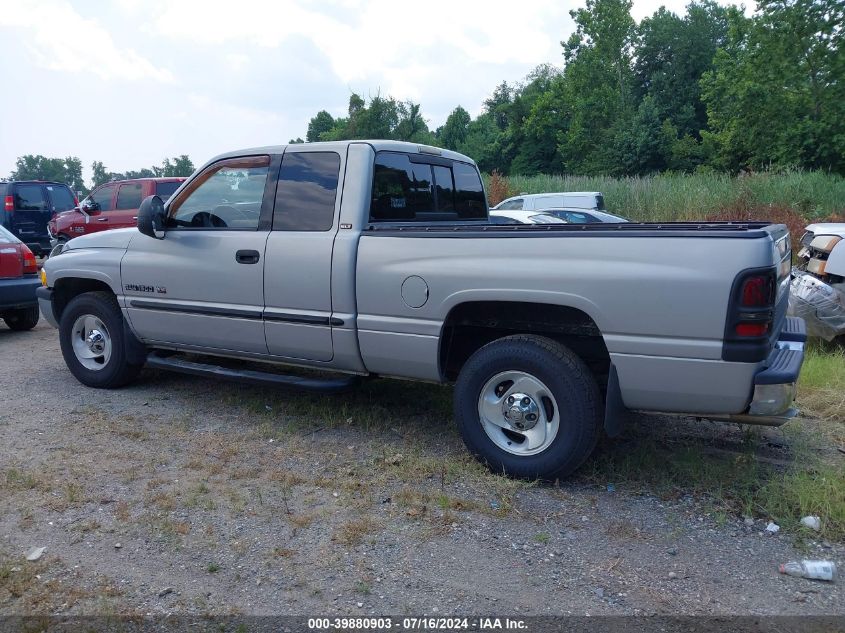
pixel 257 501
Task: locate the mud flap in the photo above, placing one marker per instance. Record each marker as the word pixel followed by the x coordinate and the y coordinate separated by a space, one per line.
pixel 615 411
pixel 136 351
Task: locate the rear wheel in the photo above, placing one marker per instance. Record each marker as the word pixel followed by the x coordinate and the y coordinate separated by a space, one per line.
pixel 22 319
pixel 92 341
pixel 529 407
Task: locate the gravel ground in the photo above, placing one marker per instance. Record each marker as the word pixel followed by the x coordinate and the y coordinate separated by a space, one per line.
pixel 184 495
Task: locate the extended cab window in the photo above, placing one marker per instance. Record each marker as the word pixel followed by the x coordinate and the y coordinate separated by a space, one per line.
pixel 227 194
pixel 407 190
pixel 306 191
pixel 129 196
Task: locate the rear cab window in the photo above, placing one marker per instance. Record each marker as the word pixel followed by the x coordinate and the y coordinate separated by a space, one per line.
pixel 61 198
pixel 422 188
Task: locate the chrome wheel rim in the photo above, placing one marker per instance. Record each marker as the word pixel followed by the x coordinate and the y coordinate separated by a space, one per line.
pixel 518 413
pixel 92 344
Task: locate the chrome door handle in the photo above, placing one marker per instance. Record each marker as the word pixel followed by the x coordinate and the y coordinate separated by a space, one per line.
pixel 102 219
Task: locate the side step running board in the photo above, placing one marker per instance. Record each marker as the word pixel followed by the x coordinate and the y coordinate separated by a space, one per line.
pixel 324 385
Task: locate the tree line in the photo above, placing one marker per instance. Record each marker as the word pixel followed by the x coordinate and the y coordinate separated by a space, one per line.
pixel 69 170
pixel 711 89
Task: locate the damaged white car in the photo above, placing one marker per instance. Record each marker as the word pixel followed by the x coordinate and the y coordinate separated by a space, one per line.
pixel 818 281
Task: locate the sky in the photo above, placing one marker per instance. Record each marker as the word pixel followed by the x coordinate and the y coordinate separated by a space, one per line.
pixel 130 82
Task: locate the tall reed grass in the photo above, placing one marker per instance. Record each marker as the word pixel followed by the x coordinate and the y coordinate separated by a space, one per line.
pixel 665 197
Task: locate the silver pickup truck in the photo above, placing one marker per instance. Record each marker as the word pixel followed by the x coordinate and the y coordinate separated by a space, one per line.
pixel 375 258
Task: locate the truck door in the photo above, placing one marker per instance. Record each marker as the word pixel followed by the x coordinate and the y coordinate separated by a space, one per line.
pixel 297 272
pixel 98 207
pixel 129 198
pixel 202 286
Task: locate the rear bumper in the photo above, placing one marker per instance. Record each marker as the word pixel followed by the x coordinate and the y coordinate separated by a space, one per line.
pixel 45 304
pixel 19 292
pixel 775 386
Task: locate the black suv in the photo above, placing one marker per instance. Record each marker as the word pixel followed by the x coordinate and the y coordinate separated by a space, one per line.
pixel 27 207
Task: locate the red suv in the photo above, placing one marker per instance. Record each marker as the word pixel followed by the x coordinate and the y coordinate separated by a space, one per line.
pixel 113 205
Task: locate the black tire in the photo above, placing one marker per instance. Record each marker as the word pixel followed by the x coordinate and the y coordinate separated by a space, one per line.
pixel 117 371
pixel 567 378
pixel 22 319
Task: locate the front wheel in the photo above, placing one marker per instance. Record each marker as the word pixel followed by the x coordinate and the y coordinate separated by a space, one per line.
pixel 22 319
pixel 92 341
pixel 529 407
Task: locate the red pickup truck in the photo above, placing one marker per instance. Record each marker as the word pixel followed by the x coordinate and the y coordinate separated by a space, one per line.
pixel 113 205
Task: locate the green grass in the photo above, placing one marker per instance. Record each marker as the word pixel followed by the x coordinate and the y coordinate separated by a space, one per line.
pixel 732 483
pixel 821 388
pixel 667 197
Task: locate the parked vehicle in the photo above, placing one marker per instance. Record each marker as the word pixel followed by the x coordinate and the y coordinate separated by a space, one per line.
pixel 818 286
pixel 113 205
pixel 577 216
pixel 18 282
pixel 562 200
pixel 523 217
pixel 376 258
pixel 28 206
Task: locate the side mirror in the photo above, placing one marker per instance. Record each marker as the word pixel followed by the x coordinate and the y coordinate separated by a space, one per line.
pixel 89 207
pixel 152 217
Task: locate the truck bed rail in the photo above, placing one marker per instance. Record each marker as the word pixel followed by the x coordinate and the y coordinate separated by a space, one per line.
pixel 741 230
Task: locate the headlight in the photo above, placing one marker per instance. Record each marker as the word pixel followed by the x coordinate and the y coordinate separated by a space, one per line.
pixel 824 243
pixel 58 249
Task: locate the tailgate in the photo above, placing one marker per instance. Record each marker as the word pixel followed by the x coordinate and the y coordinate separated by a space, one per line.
pixel 783 259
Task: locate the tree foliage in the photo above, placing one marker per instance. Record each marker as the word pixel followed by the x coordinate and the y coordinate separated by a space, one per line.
pixel 709 89
pixel 179 166
pixel 37 167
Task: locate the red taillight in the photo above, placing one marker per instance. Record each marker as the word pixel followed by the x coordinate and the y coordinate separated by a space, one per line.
pixel 30 266
pixel 9 203
pixel 758 292
pixel 752 329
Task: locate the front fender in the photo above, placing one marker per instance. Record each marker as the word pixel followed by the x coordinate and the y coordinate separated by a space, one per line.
pixel 98 264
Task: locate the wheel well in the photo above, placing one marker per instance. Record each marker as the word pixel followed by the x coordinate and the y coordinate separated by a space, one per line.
pixel 470 326
pixel 68 288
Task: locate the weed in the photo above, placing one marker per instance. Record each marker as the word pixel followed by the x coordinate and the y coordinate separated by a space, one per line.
pixel 356 531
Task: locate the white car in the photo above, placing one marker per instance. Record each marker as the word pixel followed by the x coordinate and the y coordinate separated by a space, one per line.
pixel 523 217
pixel 586 200
pixel 578 216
